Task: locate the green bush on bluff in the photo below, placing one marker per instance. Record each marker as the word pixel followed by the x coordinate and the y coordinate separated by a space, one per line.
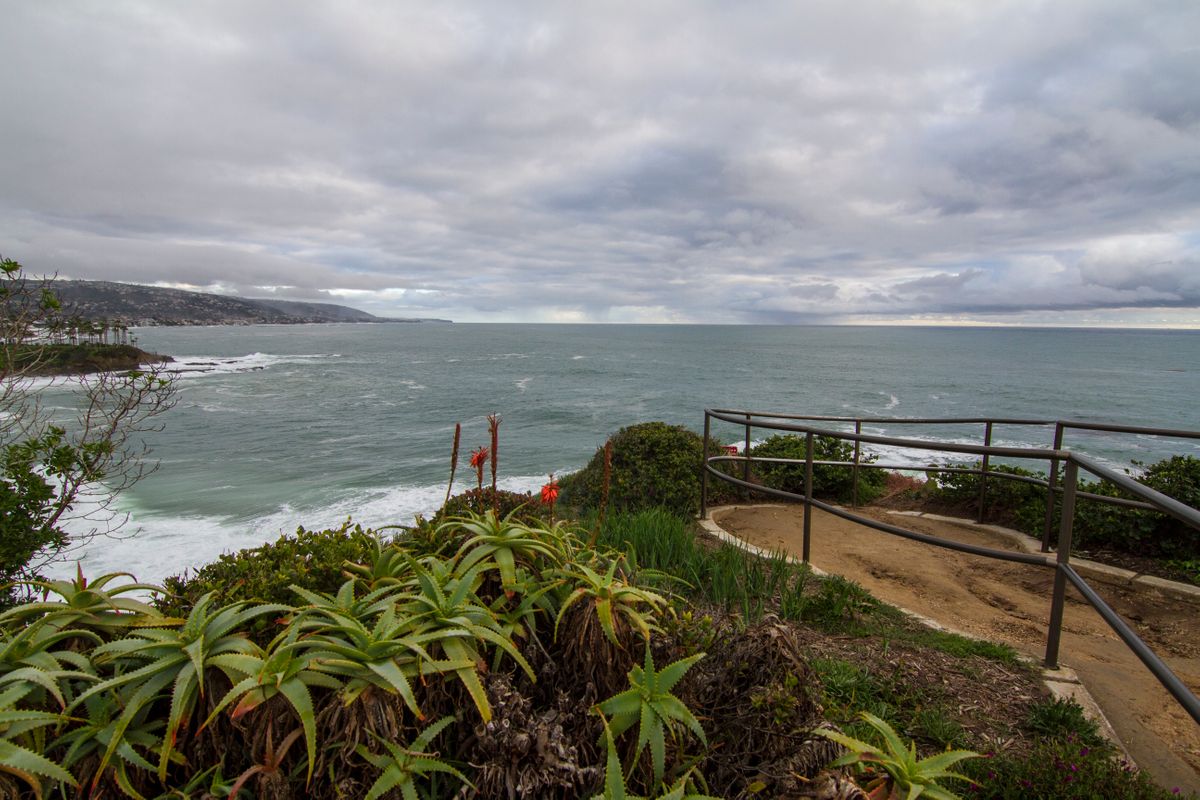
pixel 654 465
pixel 1097 524
pixel 527 508
pixel 310 559
pixel 828 481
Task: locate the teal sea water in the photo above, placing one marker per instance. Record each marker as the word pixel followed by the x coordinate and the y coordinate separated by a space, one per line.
pixel 281 426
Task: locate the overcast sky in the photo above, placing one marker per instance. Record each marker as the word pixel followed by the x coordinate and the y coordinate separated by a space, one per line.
pixel 691 161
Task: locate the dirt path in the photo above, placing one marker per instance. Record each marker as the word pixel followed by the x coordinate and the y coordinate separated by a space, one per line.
pixel 1011 603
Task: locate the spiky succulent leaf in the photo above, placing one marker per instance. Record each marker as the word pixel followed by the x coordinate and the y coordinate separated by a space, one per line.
pixel 30 767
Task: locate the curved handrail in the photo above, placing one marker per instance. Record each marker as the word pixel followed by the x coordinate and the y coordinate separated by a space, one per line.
pixel 1146 497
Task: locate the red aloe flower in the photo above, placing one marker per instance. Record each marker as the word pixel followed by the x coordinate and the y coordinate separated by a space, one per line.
pixel 550 492
pixel 479 457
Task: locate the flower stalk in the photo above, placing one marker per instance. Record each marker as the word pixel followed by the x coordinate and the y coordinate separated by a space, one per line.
pixel 453 460
pixel 550 495
pixel 494 429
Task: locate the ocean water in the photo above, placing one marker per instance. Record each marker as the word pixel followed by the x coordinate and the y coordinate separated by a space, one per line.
pixel 280 426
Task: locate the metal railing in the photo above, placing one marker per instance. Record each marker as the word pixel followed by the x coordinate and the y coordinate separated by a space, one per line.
pixel 1060 561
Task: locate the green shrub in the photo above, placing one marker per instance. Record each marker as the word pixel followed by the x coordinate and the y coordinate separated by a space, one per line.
pixel 478 501
pixel 829 482
pixel 310 559
pixel 1058 718
pixel 654 465
pixel 1064 769
pixel 1139 531
pixel 1017 504
pixel 1097 524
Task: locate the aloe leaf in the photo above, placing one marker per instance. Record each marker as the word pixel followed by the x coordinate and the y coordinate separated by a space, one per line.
pixel 939 793
pixel 626 703
pixel 144 694
pixel 430 733
pixel 469 677
pixel 604 612
pixel 671 674
pixel 240 691
pixel 936 765
pixel 508 647
pixel 894 744
pixel 670 707
pixel 182 701
pixel 393 676
pixel 25 764
pixel 571 599
pixel 146 671
pixel 42 678
pixel 125 784
pixel 297 694
pixel 658 750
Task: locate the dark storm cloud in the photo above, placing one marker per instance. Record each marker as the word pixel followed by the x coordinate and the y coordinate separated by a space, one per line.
pixel 672 162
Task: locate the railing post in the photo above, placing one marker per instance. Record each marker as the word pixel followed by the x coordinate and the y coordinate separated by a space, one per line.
pixel 987 442
pixel 857 453
pixel 808 487
pixel 1054 635
pixel 704 468
pixel 1050 489
pixel 746 462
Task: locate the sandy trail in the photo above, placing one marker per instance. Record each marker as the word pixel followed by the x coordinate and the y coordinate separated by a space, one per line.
pixel 1011 603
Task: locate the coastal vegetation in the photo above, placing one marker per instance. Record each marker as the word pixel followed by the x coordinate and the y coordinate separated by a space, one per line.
pixel 1111 531
pixel 40 360
pixel 53 463
pixel 649 465
pixel 488 655
pixel 830 481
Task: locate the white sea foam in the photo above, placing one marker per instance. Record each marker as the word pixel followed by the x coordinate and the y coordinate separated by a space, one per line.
pixel 196 366
pixel 523 384
pixel 153 546
pixel 892 402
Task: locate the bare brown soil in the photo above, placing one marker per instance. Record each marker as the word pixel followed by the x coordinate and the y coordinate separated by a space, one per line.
pixel 1010 603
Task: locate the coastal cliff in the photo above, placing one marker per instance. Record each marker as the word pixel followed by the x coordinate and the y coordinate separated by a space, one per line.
pixel 143 306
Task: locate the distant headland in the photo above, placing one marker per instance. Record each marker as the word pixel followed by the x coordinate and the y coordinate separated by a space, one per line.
pixel 143 306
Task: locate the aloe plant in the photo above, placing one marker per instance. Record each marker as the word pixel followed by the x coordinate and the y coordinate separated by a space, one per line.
pixel 204 785
pixel 272 763
pixel 403 766
pixel 649 704
pixel 454 620
pixel 31 666
pixel 384 652
pixel 286 670
pixel 902 772
pixel 102 726
pixel 387 566
pixel 505 542
pixel 347 602
pixel 614 779
pixel 613 599
pixel 153 659
pixel 22 746
pixel 518 615
pixel 89 605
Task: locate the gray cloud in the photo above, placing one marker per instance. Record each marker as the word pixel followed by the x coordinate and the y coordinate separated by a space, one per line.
pixel 680 162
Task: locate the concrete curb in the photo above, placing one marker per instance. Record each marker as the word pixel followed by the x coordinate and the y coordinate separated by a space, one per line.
pixel 1062 683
